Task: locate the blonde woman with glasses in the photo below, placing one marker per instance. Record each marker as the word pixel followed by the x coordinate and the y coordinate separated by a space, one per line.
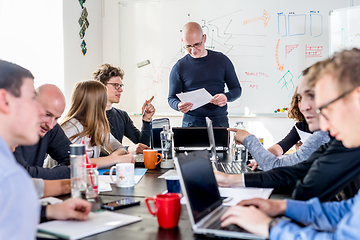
pixel 86 121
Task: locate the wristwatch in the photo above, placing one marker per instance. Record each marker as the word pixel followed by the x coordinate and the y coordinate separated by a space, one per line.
pixel 272 223
pixel 43 217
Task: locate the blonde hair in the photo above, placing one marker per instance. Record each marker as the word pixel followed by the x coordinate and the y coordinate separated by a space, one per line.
pixel 316 71
pixel 88 104
pixel 344 67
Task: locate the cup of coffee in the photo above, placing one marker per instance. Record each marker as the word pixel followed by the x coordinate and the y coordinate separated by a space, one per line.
pixel 124 175
pixel 173 184
pixel 167 209
pixel 151 158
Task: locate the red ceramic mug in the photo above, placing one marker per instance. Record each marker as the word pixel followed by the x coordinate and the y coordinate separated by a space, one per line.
pixel 167 209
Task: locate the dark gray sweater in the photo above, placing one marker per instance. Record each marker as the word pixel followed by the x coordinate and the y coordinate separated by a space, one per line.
pixel 121 125
pixel 56 144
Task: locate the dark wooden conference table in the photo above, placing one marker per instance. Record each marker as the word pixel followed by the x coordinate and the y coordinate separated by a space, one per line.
pixel 148 228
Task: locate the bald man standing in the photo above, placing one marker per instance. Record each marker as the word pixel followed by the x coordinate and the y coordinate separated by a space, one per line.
pixel 53 140
pixel 202 68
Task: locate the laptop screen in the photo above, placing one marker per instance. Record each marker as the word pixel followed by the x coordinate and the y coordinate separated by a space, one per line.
pixel 156 128
pixel 200 183
pixel 190 137
pixel 211 138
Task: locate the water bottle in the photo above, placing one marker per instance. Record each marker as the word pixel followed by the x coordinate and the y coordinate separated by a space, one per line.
pixel 78 170
pixel 239 152
pixel 166 137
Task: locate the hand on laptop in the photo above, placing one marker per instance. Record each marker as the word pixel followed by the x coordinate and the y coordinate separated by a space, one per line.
pixel 250 218
pixel 228 180
pixel 240 135
pixel 74 208
pixel 271 207
pixel 137 148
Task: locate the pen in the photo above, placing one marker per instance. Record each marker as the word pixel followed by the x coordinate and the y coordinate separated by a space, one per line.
pixel 147 102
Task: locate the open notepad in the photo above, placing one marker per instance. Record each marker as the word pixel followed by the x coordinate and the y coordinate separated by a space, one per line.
pixel 97 222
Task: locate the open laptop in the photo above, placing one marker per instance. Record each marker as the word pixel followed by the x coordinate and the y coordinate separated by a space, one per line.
pixel 196 138
pixel 226 167
pixel 203 200
pixel 156 126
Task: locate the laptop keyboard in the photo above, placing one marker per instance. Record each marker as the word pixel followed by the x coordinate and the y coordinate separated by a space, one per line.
pixel 232 227
pixel 139 157
pixel 233 168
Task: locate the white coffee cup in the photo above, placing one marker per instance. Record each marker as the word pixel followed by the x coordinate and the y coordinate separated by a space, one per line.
pixel 124 175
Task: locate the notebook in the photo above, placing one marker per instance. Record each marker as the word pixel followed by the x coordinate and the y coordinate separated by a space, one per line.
pixel 98 222
pixel 203 200
pixel 226 167
pixel 196 138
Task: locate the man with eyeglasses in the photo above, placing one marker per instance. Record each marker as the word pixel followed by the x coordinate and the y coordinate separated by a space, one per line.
pixel 338 99
pixel 202 68
pixel 329 172
pixel 120 123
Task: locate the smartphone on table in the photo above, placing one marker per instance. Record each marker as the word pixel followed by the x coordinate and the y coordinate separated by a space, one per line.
pixel 121 203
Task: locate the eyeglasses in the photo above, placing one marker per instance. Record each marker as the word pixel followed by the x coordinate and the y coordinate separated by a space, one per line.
pixel 196 45
pixel 320 109
pixel 117 86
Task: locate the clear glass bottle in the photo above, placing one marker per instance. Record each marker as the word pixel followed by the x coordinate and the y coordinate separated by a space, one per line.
pixel 78 171
pixel 239 152
pixel 166 137
pixel 92 180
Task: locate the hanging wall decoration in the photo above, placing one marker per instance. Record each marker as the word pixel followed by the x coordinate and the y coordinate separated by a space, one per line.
pixel 84 25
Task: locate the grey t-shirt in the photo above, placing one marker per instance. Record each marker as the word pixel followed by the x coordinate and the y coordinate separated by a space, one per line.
pixel 266 160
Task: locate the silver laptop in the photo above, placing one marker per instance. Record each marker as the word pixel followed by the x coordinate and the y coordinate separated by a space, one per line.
pixel 203 201
pixel 226 167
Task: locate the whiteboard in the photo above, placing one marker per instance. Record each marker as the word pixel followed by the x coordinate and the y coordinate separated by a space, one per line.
pixel 269 43
pixel 344 29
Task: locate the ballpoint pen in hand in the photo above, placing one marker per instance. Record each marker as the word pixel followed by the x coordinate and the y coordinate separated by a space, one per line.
pixel 147 102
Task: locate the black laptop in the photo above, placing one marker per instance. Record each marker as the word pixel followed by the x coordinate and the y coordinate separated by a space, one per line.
pixel 196 138
pixel 203 201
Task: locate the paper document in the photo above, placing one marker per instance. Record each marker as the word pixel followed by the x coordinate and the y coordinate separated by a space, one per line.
pixel 97 222
pixel 198 97
pixel 104 183
pixel 169 173
pixel 239 194
pixel 303 135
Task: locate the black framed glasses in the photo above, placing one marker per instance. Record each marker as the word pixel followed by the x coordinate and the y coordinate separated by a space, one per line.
pixel 117 86
pixel 320 109
pixel 196 45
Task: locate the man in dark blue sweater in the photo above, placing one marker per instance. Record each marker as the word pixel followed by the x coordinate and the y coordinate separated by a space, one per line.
pixel 207 69
pixel 120 123
pixel 53 140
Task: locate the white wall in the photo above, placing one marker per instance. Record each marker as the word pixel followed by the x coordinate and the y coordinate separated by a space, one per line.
pixel 103 47
pixel 32 36
pixel 76 66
